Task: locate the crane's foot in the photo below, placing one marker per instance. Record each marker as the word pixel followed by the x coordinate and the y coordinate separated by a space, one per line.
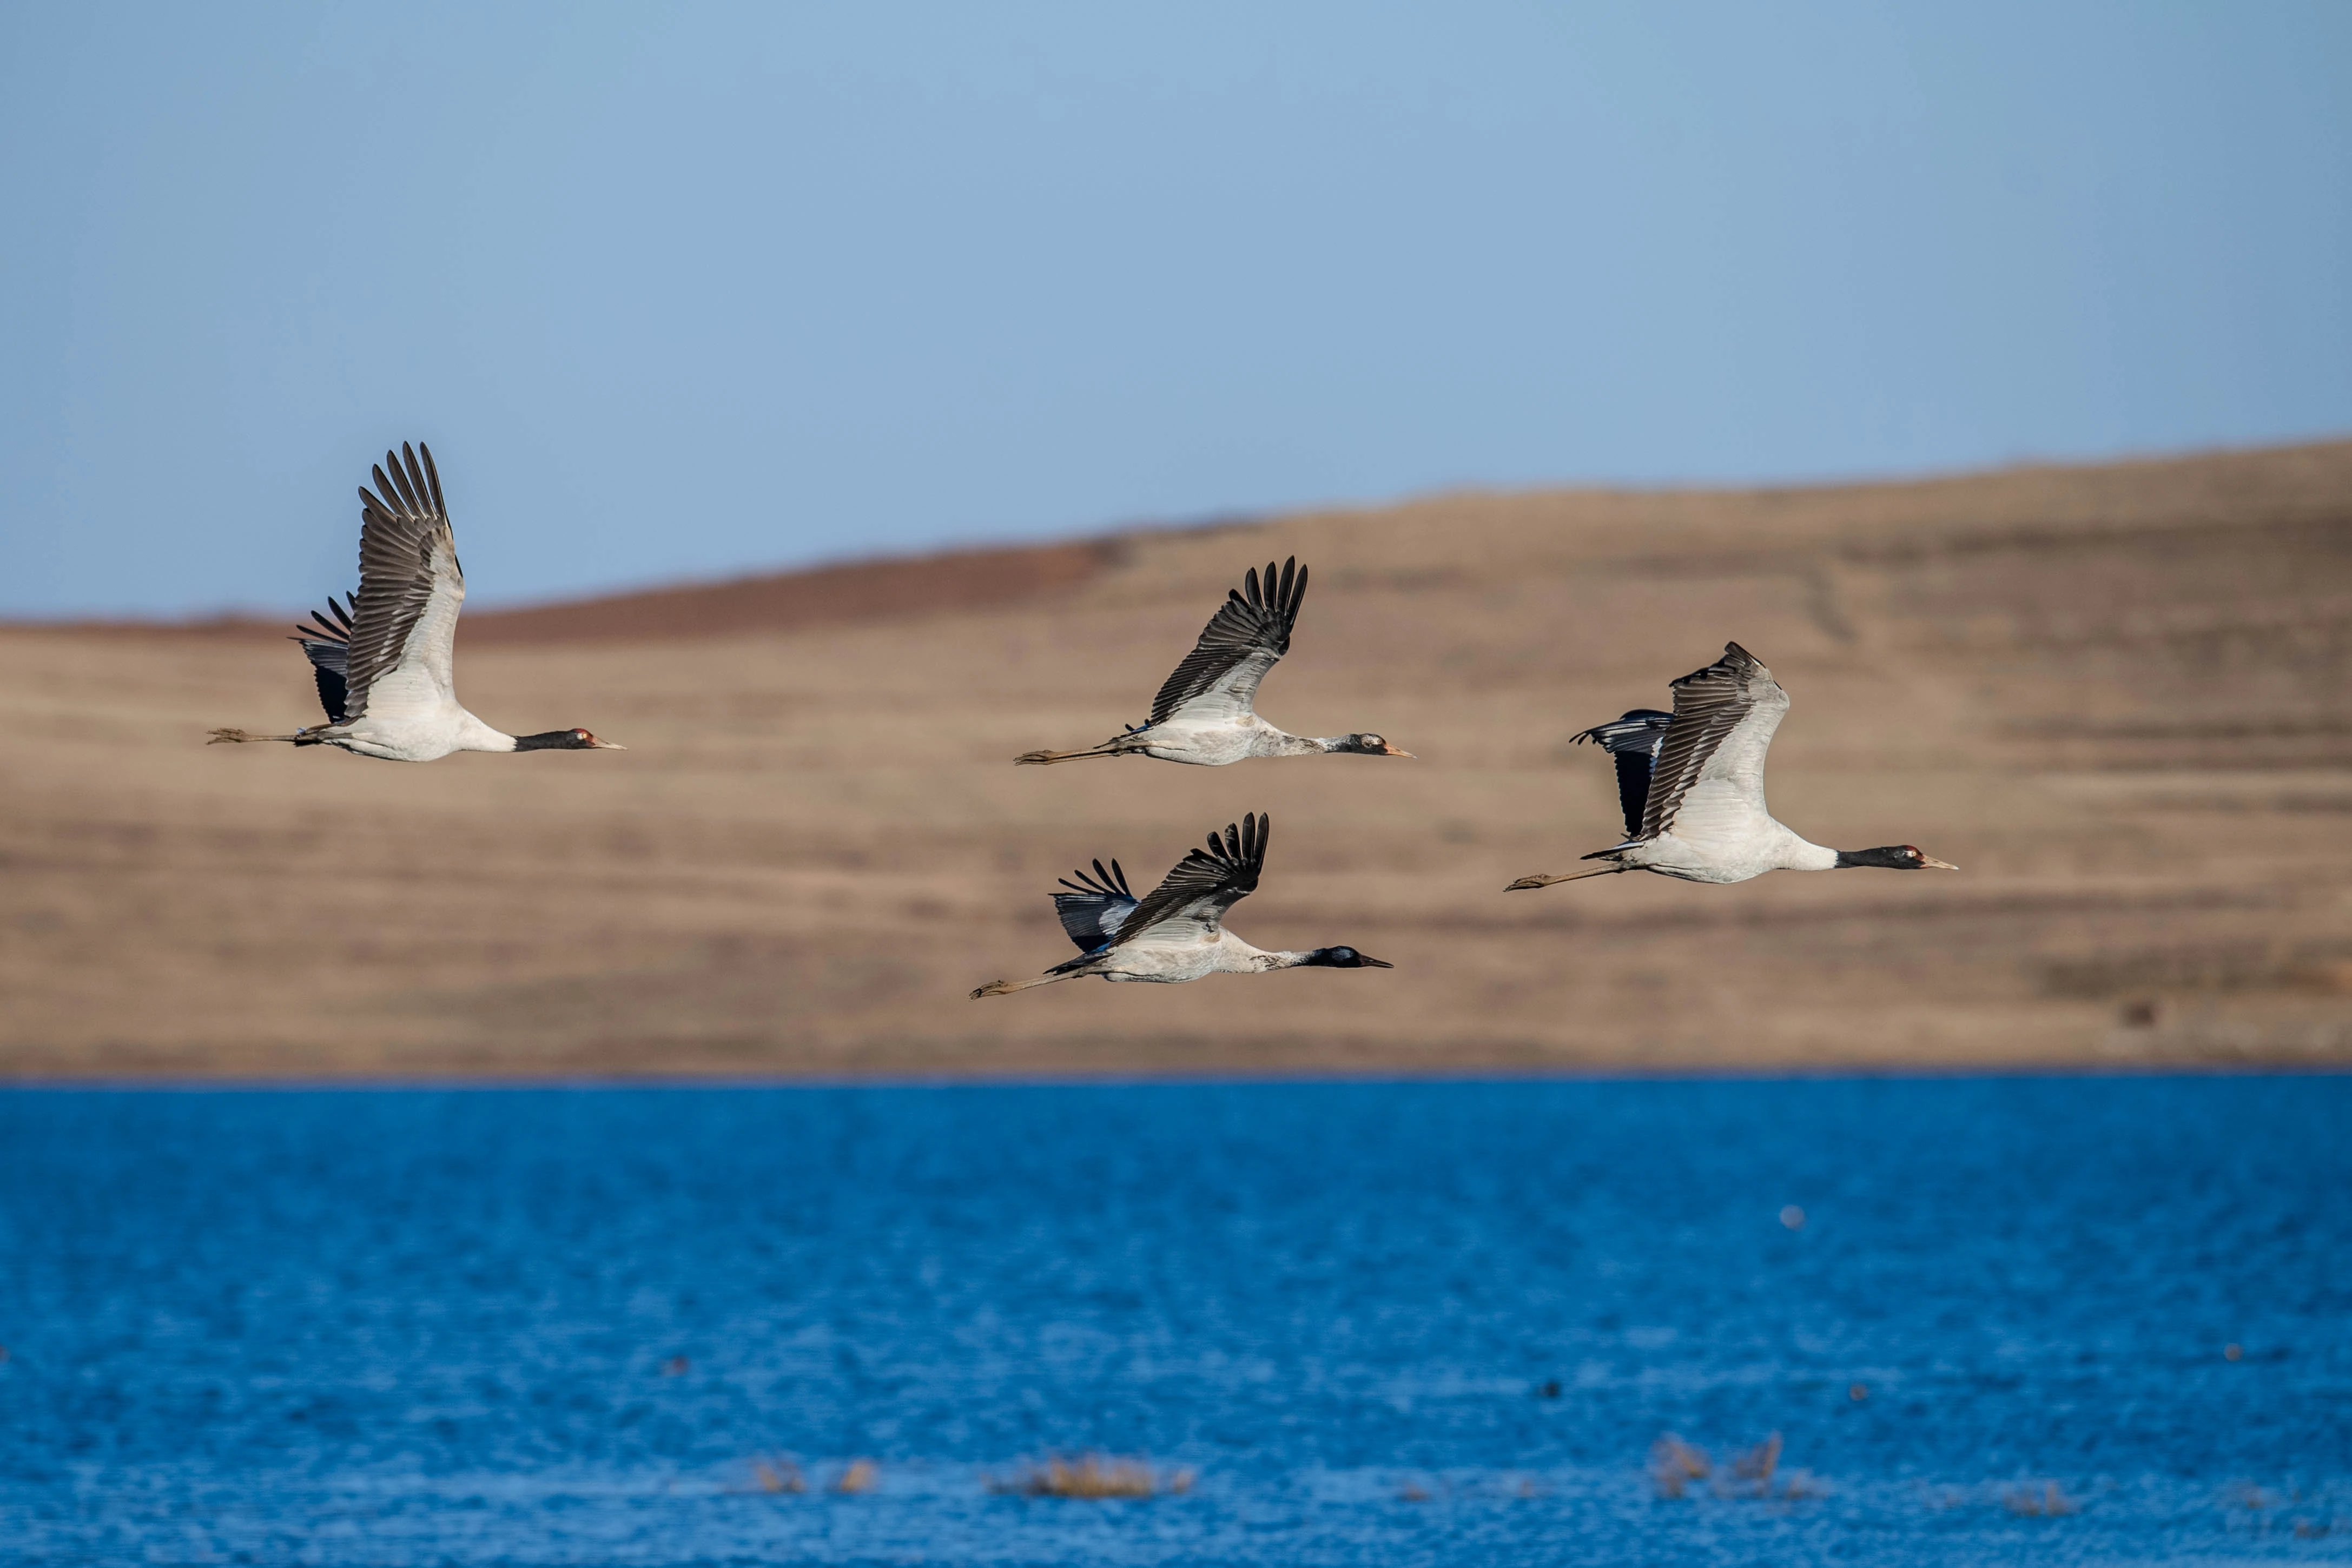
pixel 1041 758
pixel 1528 884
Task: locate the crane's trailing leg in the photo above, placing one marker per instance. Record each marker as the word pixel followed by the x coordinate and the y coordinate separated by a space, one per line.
pixel 1526 883
pixel 1040 759
pixel 1007 988
pixel 239 738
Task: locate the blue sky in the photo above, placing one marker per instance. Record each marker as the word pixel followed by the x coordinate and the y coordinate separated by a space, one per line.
pixel 685 291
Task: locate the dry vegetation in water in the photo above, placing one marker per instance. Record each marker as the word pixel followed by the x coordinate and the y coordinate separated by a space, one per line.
pixel 778 1476
pixel 2039 1500
pixel 1676 1465
pixel 1091 1476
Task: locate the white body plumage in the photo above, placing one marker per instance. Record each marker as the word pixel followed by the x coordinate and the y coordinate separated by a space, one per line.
pixel 1214 743
pixel 416 738
pixel 1735 857
pixel 1167 963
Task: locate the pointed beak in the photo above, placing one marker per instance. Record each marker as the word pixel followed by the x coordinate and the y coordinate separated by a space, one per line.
pixel 1369 962
pixel 606 745
pixel 1396 751
pixel 1935 864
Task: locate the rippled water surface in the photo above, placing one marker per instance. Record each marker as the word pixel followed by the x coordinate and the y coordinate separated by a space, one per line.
pixel 1378 1323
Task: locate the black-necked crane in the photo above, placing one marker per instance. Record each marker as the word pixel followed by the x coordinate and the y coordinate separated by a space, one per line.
pixel 1177 932
pixel 1205 712
pixel 1692 786
pixel 385 660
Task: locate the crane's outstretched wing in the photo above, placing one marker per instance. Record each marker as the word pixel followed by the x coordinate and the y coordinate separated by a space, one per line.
pixel 1709 776
pixel 1634 740
pixel 405 618
pixel 1096 907
pixel 1191 900
pixel 1217 681
pixel 328 647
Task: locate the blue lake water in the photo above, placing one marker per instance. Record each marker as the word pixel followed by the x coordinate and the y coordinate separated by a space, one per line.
pixel 444 1326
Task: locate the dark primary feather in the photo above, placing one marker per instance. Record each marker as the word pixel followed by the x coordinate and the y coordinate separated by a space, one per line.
pixel 1709 706
pixel 327 646
pixel 1634 740
pixel 1096 907
pixel 1206 883
pixel 400 523
pixel 1254 621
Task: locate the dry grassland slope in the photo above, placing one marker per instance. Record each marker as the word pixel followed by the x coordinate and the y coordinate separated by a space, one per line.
pixel 2120 697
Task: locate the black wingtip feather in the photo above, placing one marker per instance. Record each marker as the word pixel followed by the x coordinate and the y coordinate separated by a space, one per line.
pixel 433 478
pixel 1244 843
pixel 1103 882
pixel 400 479
pixel 415 476
pixel 338 629
pixel 385 501
pixel 1636 729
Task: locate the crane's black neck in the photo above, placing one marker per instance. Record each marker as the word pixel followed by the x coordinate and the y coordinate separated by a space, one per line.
pixel 554 740
pixel 1337 958
pixel 1889 857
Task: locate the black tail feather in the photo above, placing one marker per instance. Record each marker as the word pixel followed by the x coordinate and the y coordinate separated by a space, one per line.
pixel 327 644
pixel 1633 741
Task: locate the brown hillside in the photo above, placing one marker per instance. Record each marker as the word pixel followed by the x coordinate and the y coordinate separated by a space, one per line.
pixel 2120 697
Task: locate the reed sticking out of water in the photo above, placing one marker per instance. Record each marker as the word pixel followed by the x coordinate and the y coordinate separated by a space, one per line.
pixel 1091 1476
pixel 1674 1464
pixel 1753 1469
pixel 778 1475
pixel 2047 1501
